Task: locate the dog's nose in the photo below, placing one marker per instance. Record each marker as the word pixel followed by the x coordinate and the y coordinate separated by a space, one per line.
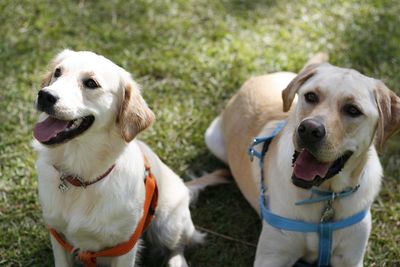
pixel 46 99
pixel 311 131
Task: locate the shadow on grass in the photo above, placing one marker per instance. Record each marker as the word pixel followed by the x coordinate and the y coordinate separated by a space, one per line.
pixel 222 210
pixel 231 216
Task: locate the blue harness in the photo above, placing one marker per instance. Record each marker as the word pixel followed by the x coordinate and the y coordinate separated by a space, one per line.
pixel 325 228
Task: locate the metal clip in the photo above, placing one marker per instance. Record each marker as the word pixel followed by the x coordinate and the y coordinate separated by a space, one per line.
pixel 75 254
pixel 83 184
pixel 251 154
pixel 63 186
pixel 328 213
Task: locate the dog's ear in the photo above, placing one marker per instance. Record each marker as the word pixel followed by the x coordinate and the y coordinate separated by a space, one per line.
pixel 134 115
pixel 389 115
pixel 290 92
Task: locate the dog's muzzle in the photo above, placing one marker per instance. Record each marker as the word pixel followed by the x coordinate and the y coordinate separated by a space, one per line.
pixel 308 171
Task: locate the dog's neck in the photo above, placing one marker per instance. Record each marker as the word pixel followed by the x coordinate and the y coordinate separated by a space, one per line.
pixel 87 156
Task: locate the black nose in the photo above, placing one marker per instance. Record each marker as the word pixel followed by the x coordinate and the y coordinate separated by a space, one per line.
pixel 311 131
pixel 46 100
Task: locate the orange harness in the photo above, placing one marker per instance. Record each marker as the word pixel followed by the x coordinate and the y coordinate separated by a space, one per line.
pixel 89 258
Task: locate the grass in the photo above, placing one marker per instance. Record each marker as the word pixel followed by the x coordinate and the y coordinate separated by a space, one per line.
pixel 190 57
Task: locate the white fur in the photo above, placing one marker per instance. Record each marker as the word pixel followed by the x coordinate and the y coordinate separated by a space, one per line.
pixel 106 213
pixel 214 138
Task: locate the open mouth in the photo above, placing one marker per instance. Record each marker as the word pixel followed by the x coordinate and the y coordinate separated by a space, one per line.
pixel 53 131
pixel 308 171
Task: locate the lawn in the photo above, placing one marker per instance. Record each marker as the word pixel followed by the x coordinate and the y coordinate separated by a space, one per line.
pixel 190 56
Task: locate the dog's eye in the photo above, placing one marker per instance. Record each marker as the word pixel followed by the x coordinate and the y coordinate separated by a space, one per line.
pixel 352 111
pixel 90 83
pixel 57 73
pixel 311 97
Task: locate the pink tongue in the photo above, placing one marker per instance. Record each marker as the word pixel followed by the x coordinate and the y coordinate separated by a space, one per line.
pixel 49 128
pixel 307 167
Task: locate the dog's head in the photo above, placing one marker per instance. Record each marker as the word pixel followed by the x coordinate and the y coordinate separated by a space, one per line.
pixel 85 92
pixel 339 114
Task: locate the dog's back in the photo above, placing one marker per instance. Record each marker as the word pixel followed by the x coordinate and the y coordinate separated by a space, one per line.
pixel 254 105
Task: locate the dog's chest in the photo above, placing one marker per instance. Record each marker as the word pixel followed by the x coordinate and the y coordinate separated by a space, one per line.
pixel 94 217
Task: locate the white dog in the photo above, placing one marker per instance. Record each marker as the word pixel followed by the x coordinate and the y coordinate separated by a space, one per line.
pixel 91 112
pixel 328 142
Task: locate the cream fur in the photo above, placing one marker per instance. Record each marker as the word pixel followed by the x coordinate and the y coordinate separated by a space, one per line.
pixel 254 110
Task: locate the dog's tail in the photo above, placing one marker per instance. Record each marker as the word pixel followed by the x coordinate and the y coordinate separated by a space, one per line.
pixel 318 58
pixel 212 179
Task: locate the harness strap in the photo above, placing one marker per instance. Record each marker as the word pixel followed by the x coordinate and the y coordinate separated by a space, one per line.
pixel 305 227
pixel 150 204
pixel 325 244
pixel 326 195
pixel 325 230
pixel 266 140
pixel 260 155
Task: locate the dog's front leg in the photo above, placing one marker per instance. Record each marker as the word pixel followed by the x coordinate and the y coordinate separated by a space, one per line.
pixel 126 260
pixel 177 260
pixel 61 257
pixel 277 248
pixel 352 245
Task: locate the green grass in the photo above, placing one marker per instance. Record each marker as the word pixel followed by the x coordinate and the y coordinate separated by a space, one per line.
pixel 190 57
